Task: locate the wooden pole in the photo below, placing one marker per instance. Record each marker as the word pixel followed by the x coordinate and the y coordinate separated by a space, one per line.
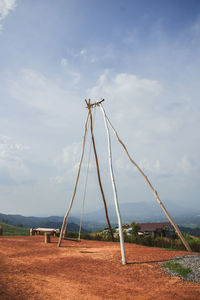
pixel 123 254
pixel 84 194
pixel 97 166
pixel 47 237
pixel 75 186
pixel 153 190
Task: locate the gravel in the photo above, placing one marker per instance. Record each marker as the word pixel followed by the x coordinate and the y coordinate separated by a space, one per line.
pixel 189 261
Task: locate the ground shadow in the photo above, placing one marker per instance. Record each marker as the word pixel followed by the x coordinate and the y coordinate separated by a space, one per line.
pixel 146 262
pixel 152 261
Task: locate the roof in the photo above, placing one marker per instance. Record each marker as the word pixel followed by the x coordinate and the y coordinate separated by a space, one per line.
pixel 154 226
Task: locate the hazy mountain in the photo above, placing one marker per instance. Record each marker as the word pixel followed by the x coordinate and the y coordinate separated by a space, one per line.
pixel 143 212
pixel 137 212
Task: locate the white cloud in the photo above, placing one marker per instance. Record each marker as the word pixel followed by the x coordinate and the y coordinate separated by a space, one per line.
pixel 11 160
pixel 130 98
pixel 5 7
pixel 52 97
pixel 71 75
pixel 71 154
pixel 67 162
pixel 93 60
pixel 126 90
pixel 144 108
pixel 66 165
pixel 83 52
pixel 185 165
pixel 124 84
pixel 57 179
pixel 76 76
pixel 122 166
pixel 64 62
pixel 151 167
pixel 153 123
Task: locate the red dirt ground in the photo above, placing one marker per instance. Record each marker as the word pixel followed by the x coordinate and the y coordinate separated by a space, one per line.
pixel 31 269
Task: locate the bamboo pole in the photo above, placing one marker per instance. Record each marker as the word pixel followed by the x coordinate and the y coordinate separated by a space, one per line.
pixel 123 254
pixel 153 190
pixel 75 186
pixel 97 166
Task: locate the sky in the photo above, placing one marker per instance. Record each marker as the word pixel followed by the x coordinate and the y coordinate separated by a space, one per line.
pixel 142 57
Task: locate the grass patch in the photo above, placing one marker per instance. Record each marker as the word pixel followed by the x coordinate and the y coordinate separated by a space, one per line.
pixel 171 249
pixel 13 230
pixel 178 268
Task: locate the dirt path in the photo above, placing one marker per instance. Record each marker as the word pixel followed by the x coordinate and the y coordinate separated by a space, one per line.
pixel 30 269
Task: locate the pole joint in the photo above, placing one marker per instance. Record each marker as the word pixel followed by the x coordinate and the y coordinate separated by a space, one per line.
pixel 91 105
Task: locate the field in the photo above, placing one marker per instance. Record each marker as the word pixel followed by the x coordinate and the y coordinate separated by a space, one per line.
pixel 31 269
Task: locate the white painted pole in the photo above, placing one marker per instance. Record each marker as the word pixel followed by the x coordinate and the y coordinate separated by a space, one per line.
pixel 123 254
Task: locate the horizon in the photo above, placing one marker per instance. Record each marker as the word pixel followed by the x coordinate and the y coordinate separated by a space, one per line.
pixel 125 207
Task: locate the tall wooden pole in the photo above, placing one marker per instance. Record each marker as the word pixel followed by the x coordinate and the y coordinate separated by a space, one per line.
pixel 97 166
pixel 123 254
pixel 75 186
pixel 153 190
pixel 84 194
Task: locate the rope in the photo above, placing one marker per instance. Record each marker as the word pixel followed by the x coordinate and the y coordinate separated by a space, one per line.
pixel 76 183
pixel 86 181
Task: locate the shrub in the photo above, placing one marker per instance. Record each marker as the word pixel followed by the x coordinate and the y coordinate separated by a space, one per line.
pixel 145 240
pixel 72 234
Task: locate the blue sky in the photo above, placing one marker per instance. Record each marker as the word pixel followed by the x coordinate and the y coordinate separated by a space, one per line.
pixel 141 56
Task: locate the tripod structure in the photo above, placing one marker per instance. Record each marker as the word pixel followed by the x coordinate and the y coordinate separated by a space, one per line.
pixel 107 122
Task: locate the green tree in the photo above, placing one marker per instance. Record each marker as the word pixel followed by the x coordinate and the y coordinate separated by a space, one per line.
pixel 135 228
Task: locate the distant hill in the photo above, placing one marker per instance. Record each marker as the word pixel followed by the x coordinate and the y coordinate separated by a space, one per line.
pixel 46 222
pixel 146 212
pixel 191 231
pixel 140 212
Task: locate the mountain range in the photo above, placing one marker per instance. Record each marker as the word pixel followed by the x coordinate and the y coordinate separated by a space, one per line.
pixel 146 212
pixel 137 212
pixel 45 222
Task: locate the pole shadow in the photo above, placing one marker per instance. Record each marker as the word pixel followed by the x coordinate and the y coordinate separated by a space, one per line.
pixel 146 262
pixel 154 261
